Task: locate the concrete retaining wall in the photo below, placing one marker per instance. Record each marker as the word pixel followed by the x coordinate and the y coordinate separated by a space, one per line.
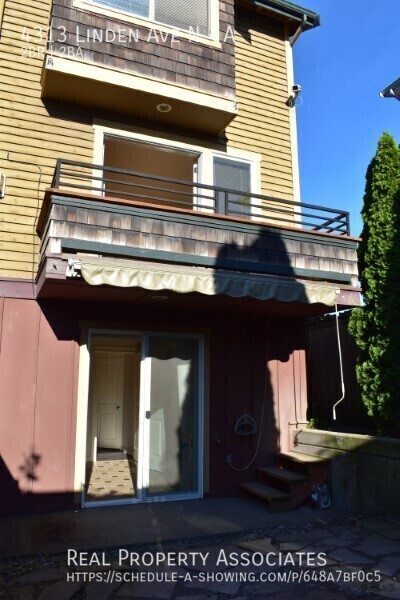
pixel 365 470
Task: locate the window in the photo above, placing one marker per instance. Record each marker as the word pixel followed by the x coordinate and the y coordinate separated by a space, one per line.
pixel 177 13
pixel 233 175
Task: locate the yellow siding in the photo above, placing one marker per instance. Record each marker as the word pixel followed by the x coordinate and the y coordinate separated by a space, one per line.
pixel 32 134
pixel 263 121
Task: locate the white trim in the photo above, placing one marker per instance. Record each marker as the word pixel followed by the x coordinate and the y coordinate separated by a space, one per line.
pixel 293 122
pixel 144 422
pixel 137 134
pixel 82 408
pixel 205 154
pixel 211 40
pixel 145 372
pixel 205 166
pixel 140 83
pixel 168 147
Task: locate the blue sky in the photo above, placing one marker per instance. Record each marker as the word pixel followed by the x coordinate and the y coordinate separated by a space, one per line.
pixel 342 66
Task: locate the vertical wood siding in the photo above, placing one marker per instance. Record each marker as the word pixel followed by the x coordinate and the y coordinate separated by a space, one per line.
pixel 254 360
pixel 37 428
pixel 323 370
pixel 263 122
pixel 34 134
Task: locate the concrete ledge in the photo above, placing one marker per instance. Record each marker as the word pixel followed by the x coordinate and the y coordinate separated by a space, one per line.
pixel 365 472
pixel 349 442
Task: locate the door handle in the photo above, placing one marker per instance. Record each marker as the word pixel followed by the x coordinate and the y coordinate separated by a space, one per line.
pixel 118 408
pixel 148 414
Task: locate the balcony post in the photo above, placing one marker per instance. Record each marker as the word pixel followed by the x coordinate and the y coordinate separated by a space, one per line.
pixel 221 202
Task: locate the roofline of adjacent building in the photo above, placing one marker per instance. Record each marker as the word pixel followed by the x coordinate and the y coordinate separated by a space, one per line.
pixel 303 17
pixel 392 90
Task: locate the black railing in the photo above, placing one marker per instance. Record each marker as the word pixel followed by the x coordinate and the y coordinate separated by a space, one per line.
pixel 119 183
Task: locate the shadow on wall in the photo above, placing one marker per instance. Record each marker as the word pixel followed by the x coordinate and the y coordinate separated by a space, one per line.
pixel 17 497
pixel 260 370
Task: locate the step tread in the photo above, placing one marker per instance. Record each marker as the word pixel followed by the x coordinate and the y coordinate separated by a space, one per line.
pixel 264 491
pixel 283 474
pixel 301 457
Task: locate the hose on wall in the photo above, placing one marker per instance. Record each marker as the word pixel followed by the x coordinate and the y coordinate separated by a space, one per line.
pixel 261 416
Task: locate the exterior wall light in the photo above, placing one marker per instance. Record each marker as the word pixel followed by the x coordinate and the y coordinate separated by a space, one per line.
pixel 164 108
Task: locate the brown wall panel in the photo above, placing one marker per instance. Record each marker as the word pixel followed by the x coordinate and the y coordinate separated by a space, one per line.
pixel 54 438
pixel 250 358
pixel 38 379
pixel 18 373
pixel 323 369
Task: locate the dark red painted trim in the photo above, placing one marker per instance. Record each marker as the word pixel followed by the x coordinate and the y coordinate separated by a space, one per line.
pixel 17 288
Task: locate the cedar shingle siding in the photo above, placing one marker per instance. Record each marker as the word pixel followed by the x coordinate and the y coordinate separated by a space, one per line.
pixel 187 63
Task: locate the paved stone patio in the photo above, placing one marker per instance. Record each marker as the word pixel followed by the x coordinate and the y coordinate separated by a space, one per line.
pixel 354 550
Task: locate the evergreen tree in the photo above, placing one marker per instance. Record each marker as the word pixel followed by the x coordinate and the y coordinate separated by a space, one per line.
pixel 376 325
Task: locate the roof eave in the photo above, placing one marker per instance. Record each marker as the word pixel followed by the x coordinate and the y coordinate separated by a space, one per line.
pixel 296 15
pixel 392 91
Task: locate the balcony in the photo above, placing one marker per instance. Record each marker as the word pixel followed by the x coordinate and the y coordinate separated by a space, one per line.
pixel 105 211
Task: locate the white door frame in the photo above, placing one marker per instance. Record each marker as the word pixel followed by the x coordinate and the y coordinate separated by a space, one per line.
pixel 144 400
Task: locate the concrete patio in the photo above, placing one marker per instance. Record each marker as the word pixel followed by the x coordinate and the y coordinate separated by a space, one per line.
pixel 34 551
pixel 145 524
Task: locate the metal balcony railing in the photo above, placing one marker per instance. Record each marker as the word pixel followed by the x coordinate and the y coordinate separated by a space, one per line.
pixel 144 187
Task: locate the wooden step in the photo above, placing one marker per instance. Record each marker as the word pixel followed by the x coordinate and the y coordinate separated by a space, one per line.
pixel 302 458
pixel 264 491
pixel 315 468
pixel 282 474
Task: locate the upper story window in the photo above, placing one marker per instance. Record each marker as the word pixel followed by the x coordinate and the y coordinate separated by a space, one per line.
pixel 183 14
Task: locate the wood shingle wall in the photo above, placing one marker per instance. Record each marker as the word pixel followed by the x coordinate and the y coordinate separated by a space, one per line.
pixel 104 227
pixel 185 63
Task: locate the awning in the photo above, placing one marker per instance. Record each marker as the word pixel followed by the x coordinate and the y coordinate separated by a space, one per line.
pixel 185 280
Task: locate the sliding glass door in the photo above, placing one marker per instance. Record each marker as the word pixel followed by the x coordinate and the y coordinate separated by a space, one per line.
pixel 144 422
pixel 172 417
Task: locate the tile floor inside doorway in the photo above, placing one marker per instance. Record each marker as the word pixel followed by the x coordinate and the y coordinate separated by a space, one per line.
pixel 112 477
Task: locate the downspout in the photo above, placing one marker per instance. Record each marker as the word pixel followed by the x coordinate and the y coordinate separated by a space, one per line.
pixel 304 25
pixel 341 366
